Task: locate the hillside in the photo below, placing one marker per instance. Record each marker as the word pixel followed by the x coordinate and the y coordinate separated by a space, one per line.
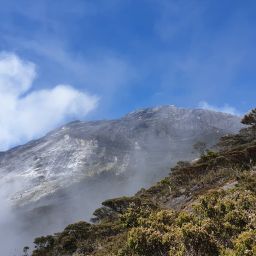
pixel 82 150
pixel 65 175
pixel 204 207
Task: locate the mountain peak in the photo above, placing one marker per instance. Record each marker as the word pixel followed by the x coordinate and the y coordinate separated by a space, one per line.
pixel 103 159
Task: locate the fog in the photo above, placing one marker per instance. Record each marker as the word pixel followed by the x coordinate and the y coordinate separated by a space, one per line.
pixel 63 177
pixel 19 225
pixel 12 234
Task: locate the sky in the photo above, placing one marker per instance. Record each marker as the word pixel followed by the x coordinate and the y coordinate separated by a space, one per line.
pixel 93 59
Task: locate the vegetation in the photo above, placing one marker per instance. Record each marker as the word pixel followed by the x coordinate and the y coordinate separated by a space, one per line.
pixel 223 222
pixel 250 119
pixel 205 208
pixel 200 147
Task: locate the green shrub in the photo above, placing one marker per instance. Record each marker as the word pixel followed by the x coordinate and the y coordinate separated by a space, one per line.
pixel 198 241
pixel 147 241
pixel 245 244
pixel 208 156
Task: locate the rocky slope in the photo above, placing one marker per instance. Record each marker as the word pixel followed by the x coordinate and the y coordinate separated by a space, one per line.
pixel 144 139
pixel 204 208
pixel 88 162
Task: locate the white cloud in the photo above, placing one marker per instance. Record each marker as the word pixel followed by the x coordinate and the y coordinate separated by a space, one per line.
pixel 225 109
pixel 16 76
pixel 26 114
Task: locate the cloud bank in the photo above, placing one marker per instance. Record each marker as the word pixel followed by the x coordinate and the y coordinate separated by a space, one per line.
pixel 25 113
pixel 225 109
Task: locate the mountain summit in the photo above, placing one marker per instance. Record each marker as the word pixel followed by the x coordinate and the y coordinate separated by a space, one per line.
pixel 137 144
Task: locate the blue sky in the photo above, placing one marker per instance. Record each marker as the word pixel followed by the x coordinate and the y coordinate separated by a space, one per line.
pixel 131 54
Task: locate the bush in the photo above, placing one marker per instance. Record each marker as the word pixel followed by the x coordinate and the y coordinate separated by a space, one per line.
pixel 245 244
pixel 147 241
pixel 208 156
pixel 44 242
pixel 198 242
pixel 250 119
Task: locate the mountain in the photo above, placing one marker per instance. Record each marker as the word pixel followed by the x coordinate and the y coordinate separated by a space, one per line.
pixel 205 207
pixel 66 174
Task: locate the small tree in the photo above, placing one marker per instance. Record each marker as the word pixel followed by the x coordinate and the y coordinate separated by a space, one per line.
pixel 200 147
pixel 25 251
pixel 250 119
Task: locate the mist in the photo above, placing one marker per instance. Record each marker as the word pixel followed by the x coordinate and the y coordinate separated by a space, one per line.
pixel 64 177
pixel 20 224
pixel 12 232
pixel 53 213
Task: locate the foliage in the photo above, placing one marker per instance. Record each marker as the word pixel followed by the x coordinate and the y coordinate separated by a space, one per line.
pixel 200 147
pixel 25 251
pixel 208 155
pixel 245 244
pixel 43 245
pixel 214 214
pixel 250 119
pixel 217 223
